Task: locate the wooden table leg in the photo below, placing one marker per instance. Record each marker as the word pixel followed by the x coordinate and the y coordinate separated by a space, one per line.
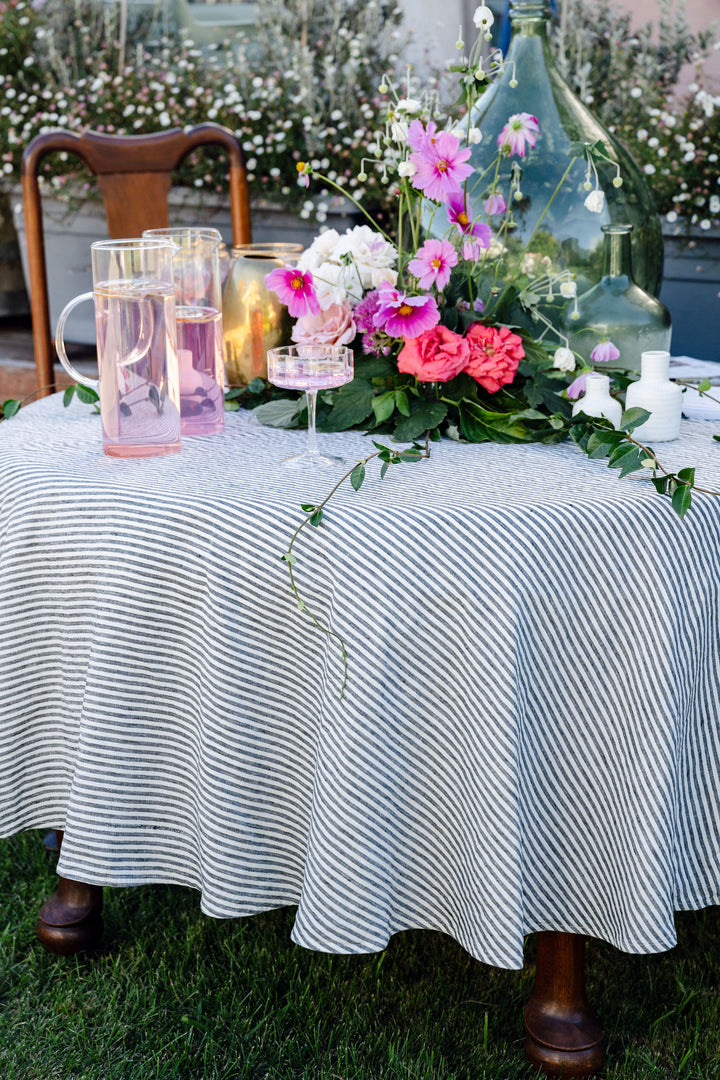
pixel 70 920
pixel 564 1035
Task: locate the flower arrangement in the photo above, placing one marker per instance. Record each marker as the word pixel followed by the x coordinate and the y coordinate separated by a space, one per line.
pixel 300 90
pixel 631 79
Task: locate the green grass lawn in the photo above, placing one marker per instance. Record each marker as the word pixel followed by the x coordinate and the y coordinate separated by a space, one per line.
pixel 177 994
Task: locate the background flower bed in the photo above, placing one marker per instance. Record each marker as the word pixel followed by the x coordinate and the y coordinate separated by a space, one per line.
pixel 304 89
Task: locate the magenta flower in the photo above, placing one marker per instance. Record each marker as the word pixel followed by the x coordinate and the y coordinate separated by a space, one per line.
pixel 520 129
pixel 365 312
pixel 458 215
pixel 295 289
pixel 441 167
pixel 495 205
pixel 433 263
pixel 577 387
pixel 405 316
pixel 604 351
pixel 419 137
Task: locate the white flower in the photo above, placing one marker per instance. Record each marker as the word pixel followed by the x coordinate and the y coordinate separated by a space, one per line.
pixel 568 289
pixel 649 169
pixel 714 204
pixel 636 92
pixel 474 135
pixel 321 250
pixel 563 359
pixel 705 224
pixel 408 105
pixel 671 216
pixel 385 273
pixel 595 201
pixel 399 131
pixel 483 17
pixel 407 169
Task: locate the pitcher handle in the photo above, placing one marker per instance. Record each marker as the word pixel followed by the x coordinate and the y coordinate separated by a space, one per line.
pixel 60 343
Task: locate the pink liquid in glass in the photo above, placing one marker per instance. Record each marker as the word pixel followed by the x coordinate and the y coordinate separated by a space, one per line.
pixel 202 397
pixel 139 393
pixel 290 376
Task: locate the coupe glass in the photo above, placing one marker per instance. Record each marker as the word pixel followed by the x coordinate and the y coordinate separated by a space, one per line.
pixel 310 368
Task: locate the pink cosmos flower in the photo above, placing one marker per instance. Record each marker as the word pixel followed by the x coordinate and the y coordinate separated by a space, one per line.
pixel 433 263
pixel 294 288
pixel 520 129
pixel 604 351
pixel 405 316
pixel 495 353
pixel 495 205
pixel 333 326
pixel 577 387
pixel 458 215
pixel 440 166
pixel 418 137
pixel 435 356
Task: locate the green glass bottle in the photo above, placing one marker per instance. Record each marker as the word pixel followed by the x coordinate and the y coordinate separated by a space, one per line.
pixel 617 308
pixel 569 233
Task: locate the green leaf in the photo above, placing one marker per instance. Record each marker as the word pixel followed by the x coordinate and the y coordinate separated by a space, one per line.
pixel 633 418
pixel 424 416
pixel 357 476
pixel 288 557
pixel 10 408
pixel 626 458
pixel 280 413
pixel 309 508
pixel 88 396
pixel 256 386
pixel 661 483
pixel 384 406
pixel 351 404
pixel 681 500
pixel 688 475
pixel 384 469
pixel 704 386
pixel 316 518
pixel 410 455
pixel 601 443
pixel 401 402
pixel 231 406
pixel 68 394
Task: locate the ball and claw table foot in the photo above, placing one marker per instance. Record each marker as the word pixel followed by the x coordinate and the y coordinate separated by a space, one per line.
pixel 70 920
pixel 564 1035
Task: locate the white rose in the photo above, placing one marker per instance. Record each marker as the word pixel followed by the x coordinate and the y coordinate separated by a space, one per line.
pixel 320 251
pixel 595 201
pixel 367 247
pixel 329 281
pixel 563 359
pixel 383 274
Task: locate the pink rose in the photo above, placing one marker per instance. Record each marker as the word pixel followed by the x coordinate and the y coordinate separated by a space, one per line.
pixel 495 353
pixel 334 326
pixel 437 355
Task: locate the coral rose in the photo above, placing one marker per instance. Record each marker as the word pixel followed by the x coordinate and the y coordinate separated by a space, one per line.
pixel 495 353
pixel 434 356
pixel 334 326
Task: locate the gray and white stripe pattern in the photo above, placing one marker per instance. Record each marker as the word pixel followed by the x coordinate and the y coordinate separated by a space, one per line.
pixel 529 738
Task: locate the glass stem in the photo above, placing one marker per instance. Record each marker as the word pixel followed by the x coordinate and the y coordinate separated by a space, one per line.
pixel 311 399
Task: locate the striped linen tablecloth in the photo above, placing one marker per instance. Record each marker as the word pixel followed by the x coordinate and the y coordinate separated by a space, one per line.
pixel 530 734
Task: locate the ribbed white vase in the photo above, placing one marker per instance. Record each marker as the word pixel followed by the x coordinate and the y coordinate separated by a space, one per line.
pixel 661 397
pixel 597 401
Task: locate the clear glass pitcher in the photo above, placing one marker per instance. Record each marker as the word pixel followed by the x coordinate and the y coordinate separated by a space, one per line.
pixel 138 381
pixel 198 314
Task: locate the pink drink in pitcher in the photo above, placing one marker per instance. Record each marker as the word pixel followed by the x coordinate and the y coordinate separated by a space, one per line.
pixel 198 310
pixel 133 321
pixel 202 399
pixel 138 382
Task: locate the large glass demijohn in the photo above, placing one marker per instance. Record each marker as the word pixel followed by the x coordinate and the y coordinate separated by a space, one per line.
pixel 569 233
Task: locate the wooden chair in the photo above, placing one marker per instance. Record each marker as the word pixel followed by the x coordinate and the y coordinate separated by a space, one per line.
pixel 134 174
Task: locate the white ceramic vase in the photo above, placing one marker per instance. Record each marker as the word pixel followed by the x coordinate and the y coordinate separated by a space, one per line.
pixel 661 397
pixel 597 400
